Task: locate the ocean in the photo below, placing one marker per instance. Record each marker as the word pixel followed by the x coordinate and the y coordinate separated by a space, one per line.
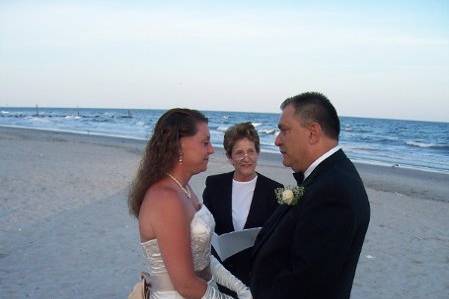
pixel 400 143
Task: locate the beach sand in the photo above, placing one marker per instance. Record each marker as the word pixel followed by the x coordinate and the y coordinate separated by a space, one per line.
pixel 65 231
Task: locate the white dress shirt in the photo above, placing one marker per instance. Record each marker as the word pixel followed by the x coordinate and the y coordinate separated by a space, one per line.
pixel 319 160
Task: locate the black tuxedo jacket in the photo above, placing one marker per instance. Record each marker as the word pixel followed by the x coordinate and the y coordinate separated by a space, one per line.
pixel 311 250
pixel 217 196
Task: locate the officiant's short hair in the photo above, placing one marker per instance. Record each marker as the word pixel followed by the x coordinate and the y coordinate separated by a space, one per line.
pixel 314 106
pixel 238 132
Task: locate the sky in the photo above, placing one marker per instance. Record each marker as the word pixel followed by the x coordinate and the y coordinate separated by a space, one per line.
pixel 385 59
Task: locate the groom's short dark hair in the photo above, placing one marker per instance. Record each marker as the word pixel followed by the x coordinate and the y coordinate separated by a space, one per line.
pixel 314 106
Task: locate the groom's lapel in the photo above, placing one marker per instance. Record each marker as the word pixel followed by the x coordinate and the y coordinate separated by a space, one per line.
pixel 324 166
pixel 283 209
pixel 267 230
pixel 275 218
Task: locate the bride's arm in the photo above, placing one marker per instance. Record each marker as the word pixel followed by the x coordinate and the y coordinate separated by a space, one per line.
pixel 167 216
pixel 225 278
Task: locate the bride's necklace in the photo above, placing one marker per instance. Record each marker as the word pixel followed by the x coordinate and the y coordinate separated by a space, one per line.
pixel 185 190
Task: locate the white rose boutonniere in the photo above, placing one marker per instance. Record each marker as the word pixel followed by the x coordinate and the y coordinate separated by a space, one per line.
pixel 289 195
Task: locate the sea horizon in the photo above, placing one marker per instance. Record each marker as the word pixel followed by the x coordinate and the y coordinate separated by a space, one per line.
pixel 211 110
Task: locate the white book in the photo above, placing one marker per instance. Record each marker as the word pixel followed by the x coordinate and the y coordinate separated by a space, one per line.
pixel 231 243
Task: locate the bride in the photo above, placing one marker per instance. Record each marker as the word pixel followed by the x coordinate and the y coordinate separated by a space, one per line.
pixel 175 227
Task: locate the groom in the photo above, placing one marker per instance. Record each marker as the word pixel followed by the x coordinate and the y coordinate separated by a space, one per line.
pixel 310 249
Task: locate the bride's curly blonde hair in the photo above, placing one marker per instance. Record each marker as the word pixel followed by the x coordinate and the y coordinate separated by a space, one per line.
pixel 162 152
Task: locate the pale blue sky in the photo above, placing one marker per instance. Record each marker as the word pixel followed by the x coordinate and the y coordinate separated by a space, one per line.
pixel 375 60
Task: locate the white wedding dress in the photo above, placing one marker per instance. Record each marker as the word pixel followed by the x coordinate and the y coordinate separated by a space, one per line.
pixel 201 229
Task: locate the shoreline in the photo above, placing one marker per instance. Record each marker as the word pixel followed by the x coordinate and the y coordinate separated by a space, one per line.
pixel 220 147
pixel 65 230
pixel 407 181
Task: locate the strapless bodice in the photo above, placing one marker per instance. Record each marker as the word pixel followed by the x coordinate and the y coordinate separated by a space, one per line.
pixel 202 227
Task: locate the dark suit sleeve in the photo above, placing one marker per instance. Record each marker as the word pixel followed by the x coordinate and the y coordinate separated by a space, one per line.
pixel 321 242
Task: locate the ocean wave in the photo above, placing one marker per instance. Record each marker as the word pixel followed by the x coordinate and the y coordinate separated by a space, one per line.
pixel 108 114
pixel 356 130
pixel 267 131
pixel 356 148
pixel 222 128
pixel 370 138
pixel 39 120
pixel 101 119
pixel 427 145
pixel 72 117
pixel 213 126
pixel 12 115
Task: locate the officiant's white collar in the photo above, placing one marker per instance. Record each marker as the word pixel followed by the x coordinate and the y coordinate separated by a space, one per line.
pixel 319 160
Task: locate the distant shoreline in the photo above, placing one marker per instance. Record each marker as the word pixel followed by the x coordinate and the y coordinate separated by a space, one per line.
pixel 413 182
pixel 219 146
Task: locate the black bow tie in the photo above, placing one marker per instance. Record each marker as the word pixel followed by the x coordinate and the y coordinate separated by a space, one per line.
pixel 299 177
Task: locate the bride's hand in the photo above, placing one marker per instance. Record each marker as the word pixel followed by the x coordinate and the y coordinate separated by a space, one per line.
pixel 244 294
pixel 226 279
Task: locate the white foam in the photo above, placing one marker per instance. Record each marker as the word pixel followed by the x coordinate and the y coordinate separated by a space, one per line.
pixel 72 117
pixel 267 131
pixel 420 144
pixel 222 128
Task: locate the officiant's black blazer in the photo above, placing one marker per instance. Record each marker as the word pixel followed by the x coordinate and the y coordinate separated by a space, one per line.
pixel 217 197
pixel 311 250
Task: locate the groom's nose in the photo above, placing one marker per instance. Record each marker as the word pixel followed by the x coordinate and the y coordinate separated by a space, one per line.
pixel 277 140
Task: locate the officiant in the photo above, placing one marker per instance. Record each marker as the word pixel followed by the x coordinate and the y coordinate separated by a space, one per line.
pixel 242 198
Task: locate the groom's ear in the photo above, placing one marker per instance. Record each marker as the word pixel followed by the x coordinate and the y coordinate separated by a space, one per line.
pixel 315 132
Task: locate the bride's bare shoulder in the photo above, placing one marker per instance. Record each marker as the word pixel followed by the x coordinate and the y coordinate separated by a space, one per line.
pixel 161 209
pixel 161 197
